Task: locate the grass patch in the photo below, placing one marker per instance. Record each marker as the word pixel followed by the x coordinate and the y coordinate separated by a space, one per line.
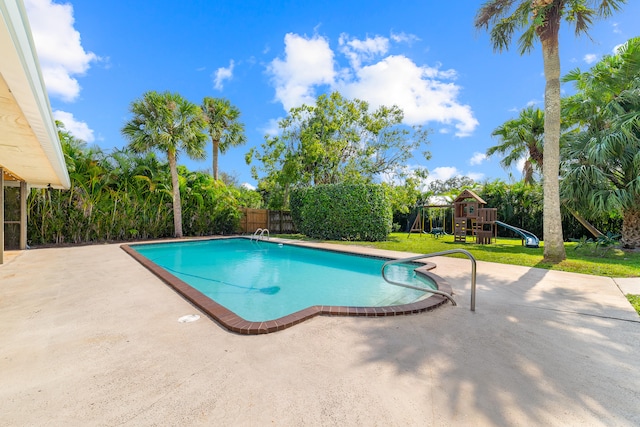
pixel 635 301
pixel 616 263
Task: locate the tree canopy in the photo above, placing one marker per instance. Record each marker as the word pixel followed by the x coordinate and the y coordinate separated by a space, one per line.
pixel 453 185
pixel 521 138
pixel 337 140
pixel 224 127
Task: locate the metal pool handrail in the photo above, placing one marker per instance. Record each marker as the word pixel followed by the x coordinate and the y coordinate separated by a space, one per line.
pixel 259 234
pixel 444 294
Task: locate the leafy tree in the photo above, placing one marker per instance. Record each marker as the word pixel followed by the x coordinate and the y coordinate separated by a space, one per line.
pixel 601 167
pixel 224 128
pixel 453 185
pixel 273 194
pixel 403 198
pixel 230 179
pixel 248 198
pixel 541 19
pixel 336 141
pixel 169 123
pixel 521 138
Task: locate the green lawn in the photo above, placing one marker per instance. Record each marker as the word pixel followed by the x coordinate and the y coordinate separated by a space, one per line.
pixel 616 263
pixel 635 301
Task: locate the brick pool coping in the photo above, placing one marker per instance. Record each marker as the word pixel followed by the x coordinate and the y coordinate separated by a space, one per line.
pixel 235 323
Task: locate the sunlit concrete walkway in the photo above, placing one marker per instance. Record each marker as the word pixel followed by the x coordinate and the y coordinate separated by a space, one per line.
pixel 89 337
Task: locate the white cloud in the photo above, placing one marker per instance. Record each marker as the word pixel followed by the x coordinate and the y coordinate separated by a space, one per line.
pixel 308 62
pixel 247 186
pixel 425 94
pixel 530 103
pixel 616 48
pixel 223 74
pixel 421 91
pixel 359 51
pixel 271 128
pixel 616 28
pixel 590 58
pixel 404 38
pixel 477 158
pixel 443 173
pixel 60 51
pixel 476 176
pixel 76 128
pixel 520 163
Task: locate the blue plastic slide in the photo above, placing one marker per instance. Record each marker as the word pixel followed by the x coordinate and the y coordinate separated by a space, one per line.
pixel 529 239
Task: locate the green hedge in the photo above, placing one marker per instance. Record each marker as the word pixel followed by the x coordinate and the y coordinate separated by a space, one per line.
pixel 342 212
pixel 296 203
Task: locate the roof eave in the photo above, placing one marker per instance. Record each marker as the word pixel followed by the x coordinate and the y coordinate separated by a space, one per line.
pixel 27 87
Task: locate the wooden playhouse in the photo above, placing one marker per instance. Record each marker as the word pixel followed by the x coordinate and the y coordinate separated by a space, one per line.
pixel 472 218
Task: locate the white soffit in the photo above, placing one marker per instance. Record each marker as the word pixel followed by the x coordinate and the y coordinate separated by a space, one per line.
pixel 29 146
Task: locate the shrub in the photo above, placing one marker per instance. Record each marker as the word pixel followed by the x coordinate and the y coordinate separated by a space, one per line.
pixel 296 203
pixel 600 246
pixel 342 212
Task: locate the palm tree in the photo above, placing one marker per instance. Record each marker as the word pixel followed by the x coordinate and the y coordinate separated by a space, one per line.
pixel 541 19
pixel 601 166
pixel 521 138
pixel 169 123
pixel 224 128
pixel 524 138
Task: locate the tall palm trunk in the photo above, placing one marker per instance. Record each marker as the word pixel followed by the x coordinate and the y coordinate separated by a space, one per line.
pixel 631 228
pixel 552 221
pixel 177 203
pixel 216 149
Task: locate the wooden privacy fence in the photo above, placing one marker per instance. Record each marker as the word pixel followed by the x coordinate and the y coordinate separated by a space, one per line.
pixel 252 219
pixel 275 221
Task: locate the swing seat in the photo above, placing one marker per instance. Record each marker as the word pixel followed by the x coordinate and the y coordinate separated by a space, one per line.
pixel 437 232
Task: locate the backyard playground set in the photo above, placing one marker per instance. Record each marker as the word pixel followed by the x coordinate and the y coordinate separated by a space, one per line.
pixel 470 219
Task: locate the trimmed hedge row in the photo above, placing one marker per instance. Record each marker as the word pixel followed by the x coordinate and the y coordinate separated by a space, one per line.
pixel 342 212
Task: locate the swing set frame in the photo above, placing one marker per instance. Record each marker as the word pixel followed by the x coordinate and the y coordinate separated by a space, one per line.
pixel 419 222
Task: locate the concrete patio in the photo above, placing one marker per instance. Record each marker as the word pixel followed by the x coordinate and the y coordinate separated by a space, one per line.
pixel 90 337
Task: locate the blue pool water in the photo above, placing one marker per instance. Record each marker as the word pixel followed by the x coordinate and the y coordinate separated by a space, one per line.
pixel 262 281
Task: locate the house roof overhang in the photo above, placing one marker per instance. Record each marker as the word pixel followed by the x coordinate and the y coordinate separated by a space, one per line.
pixel 30 149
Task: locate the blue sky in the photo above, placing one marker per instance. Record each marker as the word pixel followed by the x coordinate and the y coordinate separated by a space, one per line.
pixel 268 56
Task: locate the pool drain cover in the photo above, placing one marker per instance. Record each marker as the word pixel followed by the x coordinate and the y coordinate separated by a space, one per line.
pixel 189 318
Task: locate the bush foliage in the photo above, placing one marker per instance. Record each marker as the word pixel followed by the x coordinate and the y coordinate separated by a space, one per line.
pixel 126 196
pixel 342 212
pixel 521 205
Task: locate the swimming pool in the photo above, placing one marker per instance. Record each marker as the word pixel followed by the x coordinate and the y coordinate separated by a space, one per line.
pixel 259 287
